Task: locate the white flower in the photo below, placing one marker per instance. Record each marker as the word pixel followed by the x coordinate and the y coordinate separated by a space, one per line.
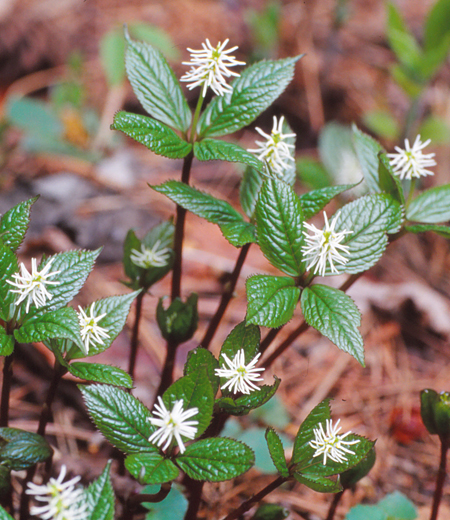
pixel 240 375
pixel 330 444
pixel 62 499
pixel 321 248
pixel 411 162
pixel 275 150
pixel 153 257
pixel 173 424
pixel 209 67
pixel 91 332
pixel 32 286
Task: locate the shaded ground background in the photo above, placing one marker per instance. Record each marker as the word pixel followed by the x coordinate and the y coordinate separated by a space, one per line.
pixel 92 203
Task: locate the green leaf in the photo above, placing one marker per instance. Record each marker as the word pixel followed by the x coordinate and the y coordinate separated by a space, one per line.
pixel 248 402
pixel 216 460
pixel 211 209
pixel 244 337
pixel 213 150
pixel 34 117
pixel 98 373
pixel 279 218
pixel 8 267
pixel 271 300
pixel 422 228
pixel 313 201
pixel 157 37
pixel 277 452
pixel 249 190
pixel 335 315
pixel 437 24
pixel 367 150
pixel 62 323
pixel 20 449
pixel 3 514
pixel 74 267
pixel 116 309
pixel 412 86
pixel 362 512
pixel 179 321
pixel 155 85
pixel 398 506
pixel 431 206
pixel 112 57
pixel 336 151
pixel 120 417
pixel 100 497
pixel 173 507
pixel 270 511
pixel 200 359
pixel 6 343
pixel 369 218
pixel 382 123
pixel 312 173
pixel 388 181
pixel 253 91
pixel 435 128
pixel 14 224
pixel 151 468
pixel 196 392
pixel 156 136
pixel 319 483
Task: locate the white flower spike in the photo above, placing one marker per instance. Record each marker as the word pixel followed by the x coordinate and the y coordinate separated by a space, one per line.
pixel 275 150
pixel 321 248
pixel 32 286
pixel 91 332
pixel 240 376
pixel 173 424
pixel 62 499
pixel 209 68
pixel 330 444
pixel 150 257
pixel 411 162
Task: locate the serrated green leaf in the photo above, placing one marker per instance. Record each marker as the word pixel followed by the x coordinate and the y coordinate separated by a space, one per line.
pixel 315 200
pixel 248 402
pixel 270 511
pixel 243 337
pixel 271 300
pixel 335 315
pixel 62 323
pixel 216 460
pixel 213 150
pixel 352 476
pixel 151 468
pixel 437 24
pixel 156 136
pixel 249 190
pixel 422 228
pixel 155 85
pixel 370 219
pixel 14 224
pixel 3 514
pixel 253 91
pixel 211 209
pixel 431 206
pixel 319 483
pixel 8 267
pixel 131 269
pixel 20 449
pixel 201 359
pixel 367 150
pixel 196 392
pixel 6 343
pixel 74 267
pixel 276 451
pixel 98 373
pixel 100 497
pixel 120 417
pixel 389 182
pixel 279 218
pixel 116 309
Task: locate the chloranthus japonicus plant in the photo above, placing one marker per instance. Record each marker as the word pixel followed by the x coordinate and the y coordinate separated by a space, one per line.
pixel 179 436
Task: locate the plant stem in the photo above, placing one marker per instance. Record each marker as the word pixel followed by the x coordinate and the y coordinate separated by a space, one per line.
pixel 179 233
pixel 135 334
pixel 245 506
pixel 226 298
pixel 6 389
pixel 333 506
pixel 167 372
pixel 445 444
pixel 410 194
pixel 137 498
pixel 58 373
pixel 195 488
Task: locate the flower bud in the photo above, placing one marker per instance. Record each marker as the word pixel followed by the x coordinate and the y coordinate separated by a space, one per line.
pixel 179 322
pixel 435 411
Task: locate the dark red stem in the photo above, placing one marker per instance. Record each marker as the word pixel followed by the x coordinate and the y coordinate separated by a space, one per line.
pixel 333 506
pixel 445 443
pixel 167 372
pixel 135 334
pixel 6 389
